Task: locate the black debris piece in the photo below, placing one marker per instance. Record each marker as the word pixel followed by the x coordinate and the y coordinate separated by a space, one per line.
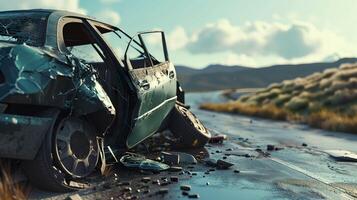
pixel 221 164
pixel 174 178
pixel 211 162
pixel 270 147
pixel 170 159
pixel 193 196
pixel 185 187
pixel 146 179
pixel 175 169
pixel 162 191
pixel 127 189
pixel 217 139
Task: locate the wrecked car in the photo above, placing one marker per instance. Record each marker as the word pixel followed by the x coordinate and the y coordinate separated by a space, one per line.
pixel 75 91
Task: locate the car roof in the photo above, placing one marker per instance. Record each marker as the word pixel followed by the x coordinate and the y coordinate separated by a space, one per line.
pixel 58 13
pixel 54 16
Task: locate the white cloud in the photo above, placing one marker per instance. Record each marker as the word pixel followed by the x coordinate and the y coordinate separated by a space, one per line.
pixel 109 1
pixel 109 16
pixel 177 38
pixel 295 42
pixel 70 5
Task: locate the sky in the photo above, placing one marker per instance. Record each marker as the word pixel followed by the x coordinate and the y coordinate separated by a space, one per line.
pixel 253 33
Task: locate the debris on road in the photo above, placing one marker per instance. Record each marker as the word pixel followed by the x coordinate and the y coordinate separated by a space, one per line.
pixel 211 162
pixel 162 191
pixel 177 158
pixel 175 169
pixel 270 147
pixel 174 178
pixel 221 164
pixel 185 187
pixel 342 155
pixel 132 160
pixel 217 139
pixel 169 158
pixel 193 196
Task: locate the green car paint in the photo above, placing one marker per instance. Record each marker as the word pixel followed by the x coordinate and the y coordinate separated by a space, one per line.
pixel 155 103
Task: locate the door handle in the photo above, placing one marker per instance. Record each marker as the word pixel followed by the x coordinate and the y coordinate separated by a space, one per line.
pixel 171 74
pixel 144 84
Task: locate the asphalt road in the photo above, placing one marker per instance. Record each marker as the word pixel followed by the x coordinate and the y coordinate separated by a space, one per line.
pixel 295 172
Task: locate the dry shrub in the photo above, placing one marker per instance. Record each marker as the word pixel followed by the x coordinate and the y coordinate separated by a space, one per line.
pixel 288 86
pixel 244 98
pixel 296 104
pixel 275 85
pixel 334 121
pixel 266 111
pixel 315 77
pixel 328 73
pixel 313 86
pixel 315 106
pixel 305 95
pixel 325 83
pixel 8 189
pixel 346 74
pixel 348 66
pixel 341 97
pixel 338 84
pixel 282 99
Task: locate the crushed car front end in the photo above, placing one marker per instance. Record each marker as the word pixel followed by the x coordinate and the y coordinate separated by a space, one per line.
pixel 37 84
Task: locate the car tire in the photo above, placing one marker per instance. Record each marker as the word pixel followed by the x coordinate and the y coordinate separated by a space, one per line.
pixel 187 128
pixel 45 171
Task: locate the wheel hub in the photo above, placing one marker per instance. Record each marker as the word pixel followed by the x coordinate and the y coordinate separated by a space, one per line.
pixel 76 149
pixel 79 144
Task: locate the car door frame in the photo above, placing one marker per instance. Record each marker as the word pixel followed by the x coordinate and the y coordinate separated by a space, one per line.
pixel 161 109
pixel 111 60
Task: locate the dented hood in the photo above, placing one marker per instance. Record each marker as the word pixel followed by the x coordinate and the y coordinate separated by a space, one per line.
pixel 37 76
pixel 27 70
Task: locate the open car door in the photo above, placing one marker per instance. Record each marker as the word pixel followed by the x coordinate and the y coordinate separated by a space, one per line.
pixel 155 82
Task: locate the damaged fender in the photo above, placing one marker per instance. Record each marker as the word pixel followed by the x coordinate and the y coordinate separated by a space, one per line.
pixel 30 77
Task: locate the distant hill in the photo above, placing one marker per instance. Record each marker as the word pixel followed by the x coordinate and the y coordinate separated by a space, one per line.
pixel 218 77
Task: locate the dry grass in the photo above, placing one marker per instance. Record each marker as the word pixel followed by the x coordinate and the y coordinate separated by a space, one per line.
pixel 324 119
pixel 8 189
pixel 266 111
pixel 333 121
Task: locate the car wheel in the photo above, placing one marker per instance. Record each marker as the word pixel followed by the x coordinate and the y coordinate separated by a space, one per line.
pixel 188 129
pixel 69 152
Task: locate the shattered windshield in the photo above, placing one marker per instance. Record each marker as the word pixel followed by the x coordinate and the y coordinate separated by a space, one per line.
pixel 19 28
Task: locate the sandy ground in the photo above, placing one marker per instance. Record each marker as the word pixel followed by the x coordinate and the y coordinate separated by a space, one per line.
pixel 296 171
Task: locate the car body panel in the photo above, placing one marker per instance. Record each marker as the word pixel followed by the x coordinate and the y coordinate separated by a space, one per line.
pixel 158 100
pixel 21 136
pixel 155 82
